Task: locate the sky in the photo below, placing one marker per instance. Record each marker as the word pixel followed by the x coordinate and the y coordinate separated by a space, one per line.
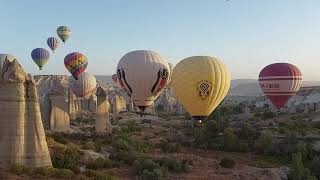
pixel 245 34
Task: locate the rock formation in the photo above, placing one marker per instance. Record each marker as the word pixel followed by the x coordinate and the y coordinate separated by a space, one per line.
pixel 59 109
pixel 22 136
pixel 118 104
pixel 102 124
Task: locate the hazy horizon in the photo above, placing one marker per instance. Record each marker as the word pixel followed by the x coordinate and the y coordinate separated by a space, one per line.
pixel 246 35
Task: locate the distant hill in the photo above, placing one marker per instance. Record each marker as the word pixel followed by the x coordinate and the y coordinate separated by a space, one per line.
pixel 239 87
pixel 105 79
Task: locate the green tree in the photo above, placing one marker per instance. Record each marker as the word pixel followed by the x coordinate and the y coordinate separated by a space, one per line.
pixel 264 143
pixel 230 140
pixel 298 172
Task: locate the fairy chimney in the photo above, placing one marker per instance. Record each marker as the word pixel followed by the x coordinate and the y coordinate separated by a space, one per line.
pixel 102 124
pixel 22 136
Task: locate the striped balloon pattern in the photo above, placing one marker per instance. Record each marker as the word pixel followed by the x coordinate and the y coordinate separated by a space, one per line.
pixel 64 33
pixel 53 43
pixel 279 82
pixel 84 86
pixel 76 63
pixel 40 56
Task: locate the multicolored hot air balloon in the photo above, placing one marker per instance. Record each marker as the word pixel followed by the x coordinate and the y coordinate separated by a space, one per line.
pixel 200 83
pixel 84 86
pixel 53 43
pixel 40 56
pixel 76 63
pixel 64 33
pixel 279 82
pixel 142 74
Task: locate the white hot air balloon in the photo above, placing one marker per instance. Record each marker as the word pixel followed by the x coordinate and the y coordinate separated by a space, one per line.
pixel 3 57
pixel 84 86
pixel 143 74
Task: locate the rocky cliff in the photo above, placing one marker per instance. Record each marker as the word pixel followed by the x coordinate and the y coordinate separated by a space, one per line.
pixel 22 136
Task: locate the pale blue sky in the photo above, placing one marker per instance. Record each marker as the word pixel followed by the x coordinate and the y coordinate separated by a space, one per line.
pixel 245 34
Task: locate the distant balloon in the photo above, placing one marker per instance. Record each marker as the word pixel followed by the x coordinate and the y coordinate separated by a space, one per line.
pixel 200 83
pixel 40 56
pixel 84 86
pixel 64 33
pixel 142 75
pixel 279 82
pixel 53 43
pixel 76 63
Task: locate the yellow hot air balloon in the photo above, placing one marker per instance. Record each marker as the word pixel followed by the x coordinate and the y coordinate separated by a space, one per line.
pixel 200 83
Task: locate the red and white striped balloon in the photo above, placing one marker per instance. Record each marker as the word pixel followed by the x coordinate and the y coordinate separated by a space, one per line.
pixel 279 82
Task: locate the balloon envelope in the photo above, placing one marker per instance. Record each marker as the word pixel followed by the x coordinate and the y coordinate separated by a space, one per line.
pixel 76 63
pixel 279 82
pixel 53 43
pixel 84 86
pixel 40 56
pixel 64 33
pixel 142 74
pixel 200 83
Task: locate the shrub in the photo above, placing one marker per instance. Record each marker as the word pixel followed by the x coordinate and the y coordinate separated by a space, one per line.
pixel 44 171
pixel 267 115
pixel 264 143
pixel 65 157
pixel 59 137
pixel 246 132
pixel 147 169
pixel 126 157
pixel 64 173
pixel 155 174
pixel 176 165
pixel 131 126
pixel 298 172
pixel 121 144
pixel 230 140
pixel 99 163
pixel 227 163
pixel 88 146
pixel 19 169
pixel 98 175
pixel 167 147
pixel 315 166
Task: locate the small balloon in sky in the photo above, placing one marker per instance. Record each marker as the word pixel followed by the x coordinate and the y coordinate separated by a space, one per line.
pixel 40 56
pixel 64 33
pixel 53 43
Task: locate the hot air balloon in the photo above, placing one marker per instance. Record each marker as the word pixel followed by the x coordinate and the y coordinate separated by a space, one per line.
pixel 64 33
pixel 200 83
pixel 279 82
pixel 76 63
pixel 84 86
pixel 142 74
pixel 40 56
pixel 53 43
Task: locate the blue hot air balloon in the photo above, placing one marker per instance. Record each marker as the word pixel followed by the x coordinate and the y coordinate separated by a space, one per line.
pixel 53 43
pixel 40 56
